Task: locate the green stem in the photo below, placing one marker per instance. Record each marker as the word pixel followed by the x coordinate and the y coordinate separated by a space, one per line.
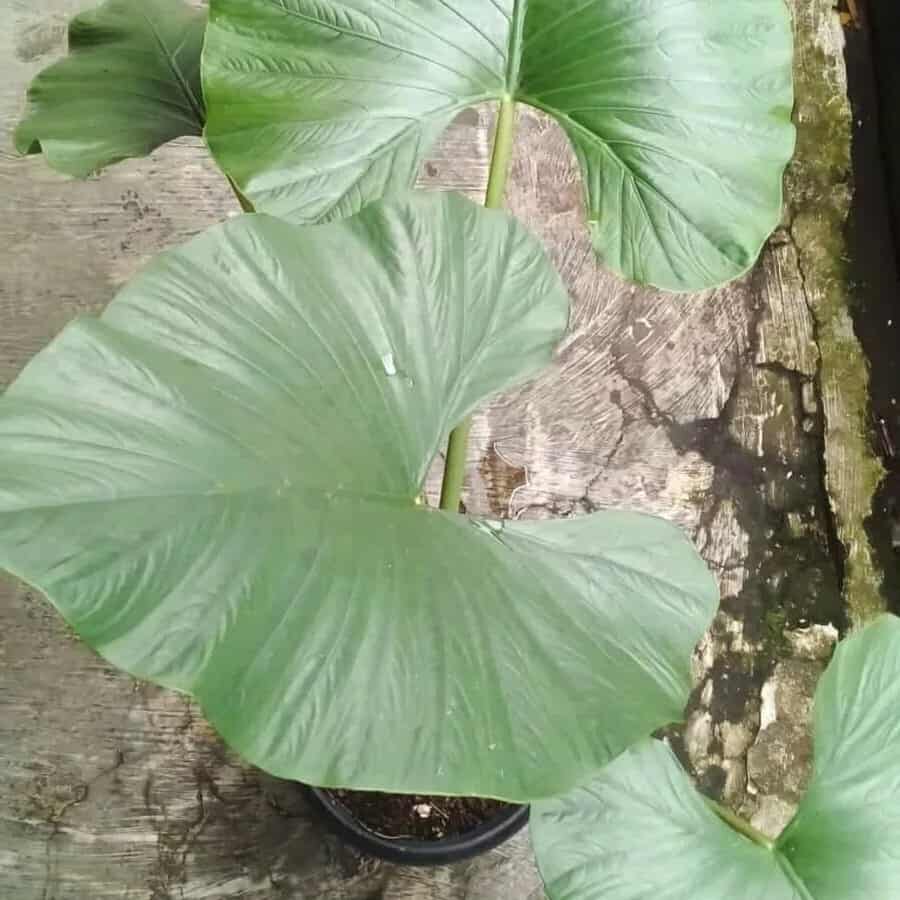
pixel 246 205
pixel 797 882
pixel 741 826
pixel 500 158
pixel 455 466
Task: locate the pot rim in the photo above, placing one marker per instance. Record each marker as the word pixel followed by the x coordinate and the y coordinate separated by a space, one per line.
pixel 409 852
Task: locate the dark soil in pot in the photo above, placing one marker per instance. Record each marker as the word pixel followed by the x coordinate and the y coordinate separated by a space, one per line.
pixel 420 818
pixel 415 829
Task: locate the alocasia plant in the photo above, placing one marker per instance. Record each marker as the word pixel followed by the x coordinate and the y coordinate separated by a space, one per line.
pixel 219 481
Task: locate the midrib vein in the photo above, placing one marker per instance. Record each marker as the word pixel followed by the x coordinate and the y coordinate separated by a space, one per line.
pixel 514 50
pixel 178 75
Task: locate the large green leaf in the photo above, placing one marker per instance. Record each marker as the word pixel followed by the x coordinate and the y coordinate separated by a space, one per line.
pixel 216 483
pixel 131 82
pixel 679 110
pixel 640 830
pixel 845 840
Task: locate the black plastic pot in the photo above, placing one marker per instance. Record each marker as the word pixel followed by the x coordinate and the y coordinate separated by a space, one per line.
pixel 417 853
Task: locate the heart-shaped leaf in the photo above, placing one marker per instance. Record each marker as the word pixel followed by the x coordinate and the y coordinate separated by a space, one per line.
pixel 845 840
pixel 216 483
pixel 640 830
pixel 679 110
pixel 131 83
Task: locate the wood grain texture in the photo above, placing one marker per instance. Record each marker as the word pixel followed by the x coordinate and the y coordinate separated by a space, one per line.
pixel 696 408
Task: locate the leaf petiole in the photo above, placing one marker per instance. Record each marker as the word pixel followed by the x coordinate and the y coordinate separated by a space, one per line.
pixel 246 205
pixel 457 447
pixel 741 826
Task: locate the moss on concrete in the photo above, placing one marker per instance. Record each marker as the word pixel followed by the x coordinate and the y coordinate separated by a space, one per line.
pixel 819 185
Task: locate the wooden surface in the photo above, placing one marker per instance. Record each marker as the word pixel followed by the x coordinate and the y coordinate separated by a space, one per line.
pixel 705 409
